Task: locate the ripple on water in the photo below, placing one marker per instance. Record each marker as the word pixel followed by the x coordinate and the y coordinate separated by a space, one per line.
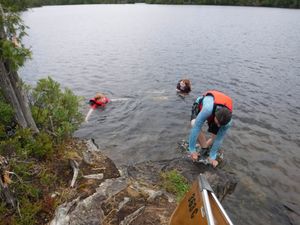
pixel 273 165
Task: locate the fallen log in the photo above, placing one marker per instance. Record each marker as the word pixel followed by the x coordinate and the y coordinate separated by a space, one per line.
pixel 75 168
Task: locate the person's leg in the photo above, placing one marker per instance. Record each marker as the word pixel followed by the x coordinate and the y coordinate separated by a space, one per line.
pixel 210 140
pixel 202 139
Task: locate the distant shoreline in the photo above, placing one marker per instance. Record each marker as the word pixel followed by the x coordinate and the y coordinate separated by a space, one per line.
pixel 291 4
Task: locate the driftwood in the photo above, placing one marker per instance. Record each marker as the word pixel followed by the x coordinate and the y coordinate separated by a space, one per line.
pixel 4 182
pixel 97 176
pixel 75 168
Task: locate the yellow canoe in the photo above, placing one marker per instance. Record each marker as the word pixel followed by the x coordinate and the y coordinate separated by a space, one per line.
pixel 200 206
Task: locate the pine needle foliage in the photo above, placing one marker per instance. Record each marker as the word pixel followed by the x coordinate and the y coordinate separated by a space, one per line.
pixel 55 111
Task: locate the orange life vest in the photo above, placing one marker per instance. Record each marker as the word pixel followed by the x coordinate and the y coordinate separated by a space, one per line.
pixel 94 103
pixel 220 99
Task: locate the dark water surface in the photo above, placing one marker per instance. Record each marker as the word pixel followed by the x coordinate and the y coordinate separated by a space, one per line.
pixel 137 53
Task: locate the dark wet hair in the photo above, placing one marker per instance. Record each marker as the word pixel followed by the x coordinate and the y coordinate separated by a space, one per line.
pixel 223 115
pixel 188 86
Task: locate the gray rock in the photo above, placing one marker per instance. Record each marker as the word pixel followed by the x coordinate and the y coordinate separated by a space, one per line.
pixel 112 200
pixel 88 211
pixel 222 181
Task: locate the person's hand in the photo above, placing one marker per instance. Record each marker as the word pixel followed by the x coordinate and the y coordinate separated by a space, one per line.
pixel 213 162
pixel 194 156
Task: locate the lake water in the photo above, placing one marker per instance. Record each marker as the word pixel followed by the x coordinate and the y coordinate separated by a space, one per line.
pixel 137 53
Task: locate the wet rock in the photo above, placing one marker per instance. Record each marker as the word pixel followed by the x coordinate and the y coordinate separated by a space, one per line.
pixel 222 181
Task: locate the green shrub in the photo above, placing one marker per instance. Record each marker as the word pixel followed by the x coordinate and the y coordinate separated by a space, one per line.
pixel 24 144
pixel 2 132
pixel 16 56
pixel 175 183
pixel 28 211
pixel 22 168
pixel 22 140
pixel 29 191
pixel 3 208
pixel 54 111
pixel 42 147
pixel 26 187
pixel 10 146
pixel 47 178
pixel 6 111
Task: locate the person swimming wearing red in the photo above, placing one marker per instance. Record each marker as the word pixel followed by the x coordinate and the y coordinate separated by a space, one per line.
pixel 100 100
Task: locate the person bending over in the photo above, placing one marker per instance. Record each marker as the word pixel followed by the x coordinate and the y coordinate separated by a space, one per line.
pixel 216 108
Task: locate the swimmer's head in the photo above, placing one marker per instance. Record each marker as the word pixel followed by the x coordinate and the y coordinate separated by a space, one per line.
pixel 99 96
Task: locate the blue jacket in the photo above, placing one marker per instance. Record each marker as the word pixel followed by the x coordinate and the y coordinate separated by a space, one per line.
pixel 204 114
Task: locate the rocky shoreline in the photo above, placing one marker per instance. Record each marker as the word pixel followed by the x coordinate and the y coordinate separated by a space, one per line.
pixel 104 194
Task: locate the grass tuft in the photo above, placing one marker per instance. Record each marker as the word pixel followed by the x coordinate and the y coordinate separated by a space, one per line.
pixel 174 183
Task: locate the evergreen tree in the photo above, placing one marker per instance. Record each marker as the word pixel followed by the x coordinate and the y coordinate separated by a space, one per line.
pixel 12 56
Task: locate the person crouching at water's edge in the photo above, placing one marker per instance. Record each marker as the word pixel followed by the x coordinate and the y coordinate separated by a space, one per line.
pixel 100 100
pixel 216 108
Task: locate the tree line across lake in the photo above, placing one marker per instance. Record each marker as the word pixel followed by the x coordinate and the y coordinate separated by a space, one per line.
pixel 265 3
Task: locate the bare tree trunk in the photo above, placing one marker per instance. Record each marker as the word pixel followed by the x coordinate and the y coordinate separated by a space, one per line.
pixel 15 96
pixel 10 83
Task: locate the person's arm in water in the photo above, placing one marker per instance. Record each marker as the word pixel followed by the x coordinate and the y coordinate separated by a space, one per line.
pixel 206 111
pixel 93 107
pixel 88 114
pixel 218 140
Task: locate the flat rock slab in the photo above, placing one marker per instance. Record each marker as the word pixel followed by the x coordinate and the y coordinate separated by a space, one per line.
pixel 222 181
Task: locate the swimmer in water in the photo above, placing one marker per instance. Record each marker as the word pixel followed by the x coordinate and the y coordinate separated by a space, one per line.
pixel 100 100
pixel 184 86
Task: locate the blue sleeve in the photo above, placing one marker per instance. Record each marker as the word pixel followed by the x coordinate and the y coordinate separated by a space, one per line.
pixel 218 140
pixel 206 111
